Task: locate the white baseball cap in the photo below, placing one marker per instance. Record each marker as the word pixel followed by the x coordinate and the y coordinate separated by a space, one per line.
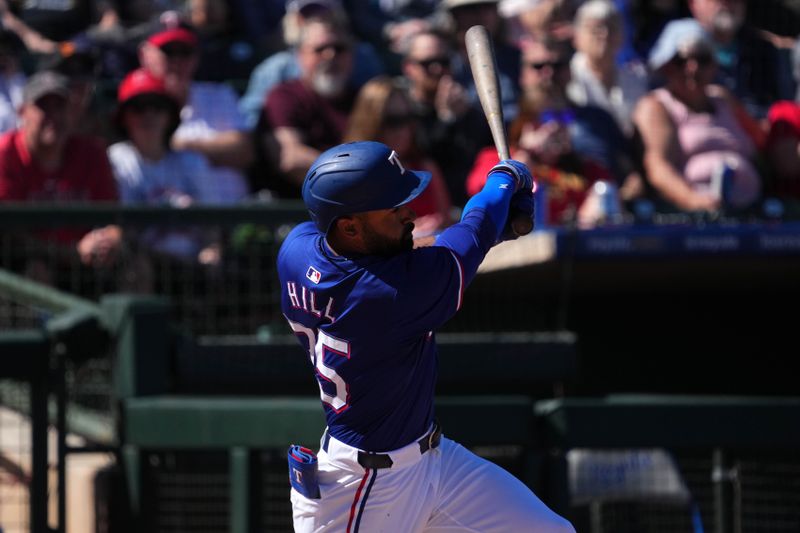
pixel 677 35
pixel 512 8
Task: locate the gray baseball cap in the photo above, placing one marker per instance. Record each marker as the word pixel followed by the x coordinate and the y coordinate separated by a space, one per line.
pixel 43 83
pixel 675 36
pixel 453 4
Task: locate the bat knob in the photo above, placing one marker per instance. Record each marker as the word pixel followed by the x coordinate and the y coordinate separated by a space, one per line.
pixel 521 224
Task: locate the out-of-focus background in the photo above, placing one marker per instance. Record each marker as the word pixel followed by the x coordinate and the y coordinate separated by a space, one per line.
pixel 631 360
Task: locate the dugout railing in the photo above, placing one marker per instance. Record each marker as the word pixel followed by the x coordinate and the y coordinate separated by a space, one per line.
pixel 56 331
pixel 25 360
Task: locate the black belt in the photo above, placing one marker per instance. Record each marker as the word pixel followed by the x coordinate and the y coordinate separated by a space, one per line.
pixel 383 460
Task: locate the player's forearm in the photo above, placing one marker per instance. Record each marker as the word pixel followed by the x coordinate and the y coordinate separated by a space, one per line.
pixel 295 157
pixel 229 149
pixel 495 198
pixel 669 183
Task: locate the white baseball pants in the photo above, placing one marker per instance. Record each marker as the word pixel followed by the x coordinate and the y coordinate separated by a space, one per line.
pixel 447 489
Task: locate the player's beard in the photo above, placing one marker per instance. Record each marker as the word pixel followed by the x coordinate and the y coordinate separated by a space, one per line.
pixel 328 84
pixel 540 98
pixel 378 244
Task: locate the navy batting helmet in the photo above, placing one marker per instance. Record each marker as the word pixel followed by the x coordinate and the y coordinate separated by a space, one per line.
pixel 357 177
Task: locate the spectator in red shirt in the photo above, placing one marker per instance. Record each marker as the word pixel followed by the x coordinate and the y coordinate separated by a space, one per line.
pixel 309 115
pixel 43 161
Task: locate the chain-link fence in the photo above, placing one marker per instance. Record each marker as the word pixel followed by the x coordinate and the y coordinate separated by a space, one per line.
pixel 755 492
pixel 217 266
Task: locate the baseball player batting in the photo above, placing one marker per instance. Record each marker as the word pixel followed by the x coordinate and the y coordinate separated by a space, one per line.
pixel 364 303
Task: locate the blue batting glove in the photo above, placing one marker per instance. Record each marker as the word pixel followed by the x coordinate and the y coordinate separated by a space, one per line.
pixel 521 202
pixel 518 171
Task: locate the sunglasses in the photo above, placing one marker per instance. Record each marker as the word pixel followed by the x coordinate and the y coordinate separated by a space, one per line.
pixel 178 50
pixel 148 103
pixel 396 120
pixel 338 48
pixel 703 59
pixel 541 65
pixel 441 62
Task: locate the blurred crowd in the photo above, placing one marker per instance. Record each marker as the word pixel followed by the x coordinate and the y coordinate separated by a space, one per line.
pixel 666 106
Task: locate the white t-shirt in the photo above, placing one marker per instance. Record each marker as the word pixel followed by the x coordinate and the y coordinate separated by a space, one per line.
pixel 178 179
pixel 619 100
pixel 10 100
pixel 213 108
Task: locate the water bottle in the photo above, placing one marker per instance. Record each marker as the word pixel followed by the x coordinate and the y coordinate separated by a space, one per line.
pixel 608 201
pixel 644 211
pixel 722 180
pixel 773 209
pixel 540 210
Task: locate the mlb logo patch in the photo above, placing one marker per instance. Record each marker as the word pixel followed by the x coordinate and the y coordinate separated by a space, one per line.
pixel 313 274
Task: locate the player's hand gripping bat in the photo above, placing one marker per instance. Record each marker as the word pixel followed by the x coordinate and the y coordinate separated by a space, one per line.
pixel 484 72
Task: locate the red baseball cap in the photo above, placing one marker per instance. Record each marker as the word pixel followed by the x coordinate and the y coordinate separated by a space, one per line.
pixel 141 82
pixel 177 34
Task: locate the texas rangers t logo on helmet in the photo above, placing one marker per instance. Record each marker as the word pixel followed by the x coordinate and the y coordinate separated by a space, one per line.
pixel 395 160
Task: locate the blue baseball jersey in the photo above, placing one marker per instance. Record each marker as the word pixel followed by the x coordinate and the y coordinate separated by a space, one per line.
pixel 367 324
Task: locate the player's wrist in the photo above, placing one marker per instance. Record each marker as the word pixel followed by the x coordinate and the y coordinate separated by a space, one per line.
pixel 497 179
pixel 517 171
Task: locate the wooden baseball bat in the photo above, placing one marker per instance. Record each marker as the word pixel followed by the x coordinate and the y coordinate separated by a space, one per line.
pixel 484 71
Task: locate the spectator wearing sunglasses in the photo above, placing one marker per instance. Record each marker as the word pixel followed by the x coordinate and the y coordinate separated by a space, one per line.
pixel 698 155
pixel 149 172
pixel 597 79
pixel 309 115
pixel 382 112
pixel 451 126
pixel 210 120
pixel 567 146
pixel 464 14
pixel 283 65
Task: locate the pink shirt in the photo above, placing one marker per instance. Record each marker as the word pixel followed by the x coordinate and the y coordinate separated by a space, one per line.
pixel 709 140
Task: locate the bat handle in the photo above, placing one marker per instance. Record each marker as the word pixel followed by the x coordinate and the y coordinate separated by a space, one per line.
pixel 521 223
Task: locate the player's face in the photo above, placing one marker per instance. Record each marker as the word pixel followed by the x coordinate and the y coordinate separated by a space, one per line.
pixel 427 61
pixel 326 59
pixel 719 16
pixel 387 231
pixel 146 116
pixel 45 121
pixel 545 74
pixel 691 69
pixel 600 39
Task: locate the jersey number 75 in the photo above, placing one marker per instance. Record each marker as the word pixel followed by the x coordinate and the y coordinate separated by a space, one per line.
pixel 320 343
